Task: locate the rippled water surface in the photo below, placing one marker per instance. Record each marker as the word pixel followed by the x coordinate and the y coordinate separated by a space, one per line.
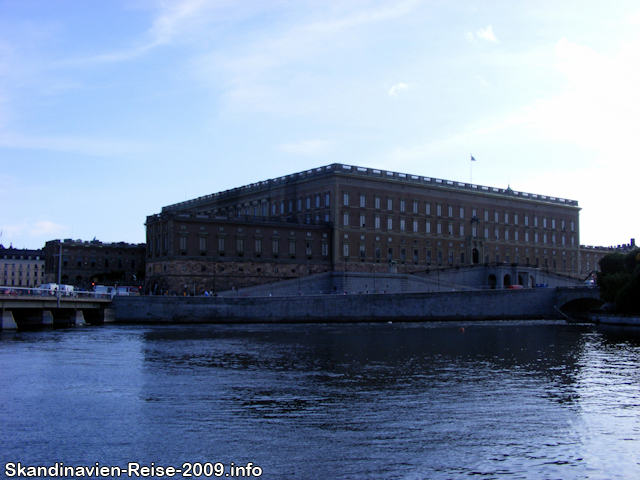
pixel 531 400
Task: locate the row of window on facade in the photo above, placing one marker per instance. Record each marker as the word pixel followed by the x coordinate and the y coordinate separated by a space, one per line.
pixel 460 258
pixel 26 266
pixel 94 263
pixel 514 217
pixel 258 246
pixel 450 230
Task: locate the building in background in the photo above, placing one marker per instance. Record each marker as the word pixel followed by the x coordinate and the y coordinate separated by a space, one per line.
pixel 347 218
pixel 86 262
pixel 590 256
pixel 21 268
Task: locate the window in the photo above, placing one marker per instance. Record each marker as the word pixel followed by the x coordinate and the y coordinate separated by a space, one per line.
pixel 258 245
pixel 345 219
pixel 506 235
pixel 462 230
pixel 486 232
pixel 461 212
pixel 275 246
pixel 390 204
pixel 450 229
pixel 292 247
pixel 497 234
pixel 506 217
pixel 428 208
pixel 389 223
pixel 299 204
pixel 221 245
pixel 326 199
pixel 183 243
pixel 526 236
pixel 495 216
pixel 377 203
pixel 402 205
pixel 553 223
pixel 439 210
pixel 377 222
pixel 428 256
pixel 240 245
pixel 486 215
pixel 317 201
pixel 526 220
pixel 203 243
pixel 450 211
pixel 428 227
pixel 573 226
pixel 362 252
pixel 415 226
pixel 544 223
pixel 403 225
pixel 325 249
pixel 308 203
pixel 516 236
pixel 535 221
pixel 439 229
pixel 345 199
pixel 415 207
pixel 363 221
pixel 363 201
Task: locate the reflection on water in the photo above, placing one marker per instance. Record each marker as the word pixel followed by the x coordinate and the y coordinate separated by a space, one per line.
pixel 347 401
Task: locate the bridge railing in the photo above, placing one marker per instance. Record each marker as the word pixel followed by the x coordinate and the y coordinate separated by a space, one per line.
pixel 25 292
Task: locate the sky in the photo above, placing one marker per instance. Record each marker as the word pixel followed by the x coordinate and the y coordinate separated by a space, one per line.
pixel 111 110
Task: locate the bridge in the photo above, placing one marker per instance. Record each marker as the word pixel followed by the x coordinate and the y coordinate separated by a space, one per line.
pixel 23 308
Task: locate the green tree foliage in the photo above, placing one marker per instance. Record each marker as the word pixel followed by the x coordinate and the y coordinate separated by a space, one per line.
pixel 619 280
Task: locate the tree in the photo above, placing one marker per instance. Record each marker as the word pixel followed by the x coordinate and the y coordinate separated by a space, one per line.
pixel 619 281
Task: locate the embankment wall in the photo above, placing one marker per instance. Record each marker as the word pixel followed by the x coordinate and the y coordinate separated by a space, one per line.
pixel 425 306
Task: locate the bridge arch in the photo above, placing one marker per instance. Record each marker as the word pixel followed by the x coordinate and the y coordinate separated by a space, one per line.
pixel 507 280
pixel 580 308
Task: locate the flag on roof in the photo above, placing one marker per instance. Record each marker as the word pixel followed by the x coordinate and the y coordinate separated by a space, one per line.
pixel 473 159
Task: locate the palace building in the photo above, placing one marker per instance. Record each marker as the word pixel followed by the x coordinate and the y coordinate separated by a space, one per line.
pixel 348 218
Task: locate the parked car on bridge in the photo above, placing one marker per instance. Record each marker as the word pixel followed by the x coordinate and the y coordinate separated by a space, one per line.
pixel 48 289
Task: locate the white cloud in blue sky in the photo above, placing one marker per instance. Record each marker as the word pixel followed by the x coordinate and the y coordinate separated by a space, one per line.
pixel 111 110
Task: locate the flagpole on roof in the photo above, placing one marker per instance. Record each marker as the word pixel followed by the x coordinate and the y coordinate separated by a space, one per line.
pixel 470 169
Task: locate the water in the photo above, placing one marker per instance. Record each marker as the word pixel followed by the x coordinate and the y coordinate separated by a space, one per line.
pixel 541 400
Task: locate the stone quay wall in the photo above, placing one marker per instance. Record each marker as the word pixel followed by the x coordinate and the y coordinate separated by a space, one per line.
pixel 426 306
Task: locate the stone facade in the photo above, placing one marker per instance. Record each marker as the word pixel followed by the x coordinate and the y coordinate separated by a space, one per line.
pixel 590 255
pixel 375 218
pixel 21 268
pixel 84 263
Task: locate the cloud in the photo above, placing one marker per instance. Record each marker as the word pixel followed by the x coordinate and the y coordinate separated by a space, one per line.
pixel 600 107
pixel 397 87
pixel 84 145
pixel 483 34
pixel 32 229
pixel 306 147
